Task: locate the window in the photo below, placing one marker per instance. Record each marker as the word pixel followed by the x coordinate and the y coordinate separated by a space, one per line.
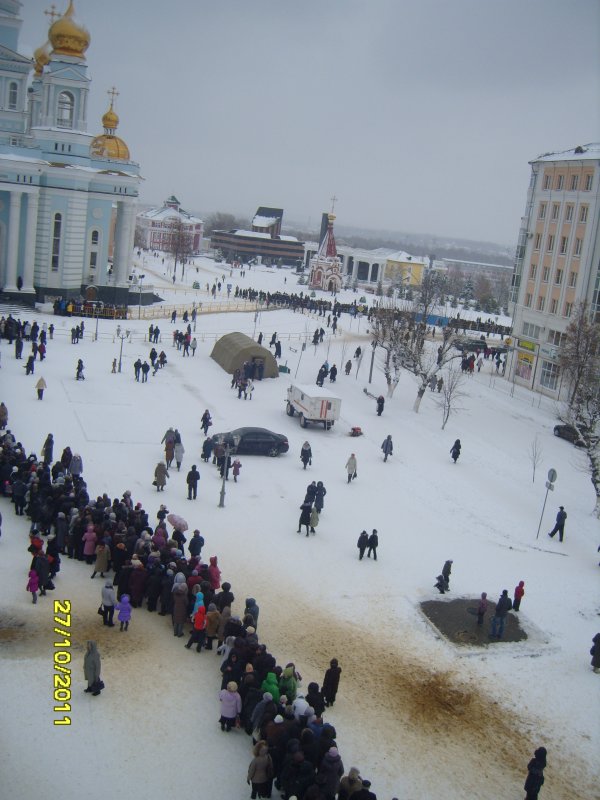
pixel 528 299
pixel 93 259
pixel 577 249
pixel 564 244
pixel 568 309
pixel 572 279
pixel 66 105
pixel 589 179
pixel 538 241
pixel 531 330
pixel 556 338
pixel 553 306
pixel 583 214
pixel 540 303
pixel 546 275
pixel 555 210
pixel 56 232
pixel 547 182
pixel 550 243
pixel 532 272
pixel 549 375
pixel 574 182
pixel 13 95
pixel 560 182
pixel 95 237
pixel 569 213
pixel 542 211
pixel 558 276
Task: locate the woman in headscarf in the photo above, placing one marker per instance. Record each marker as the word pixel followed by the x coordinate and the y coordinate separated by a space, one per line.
pixel 91 669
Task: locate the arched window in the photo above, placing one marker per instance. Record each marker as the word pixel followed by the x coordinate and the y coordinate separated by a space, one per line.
pixel 94 242
pixel 56 234
pixel 66 106
pixel 13 95
pixel 95 237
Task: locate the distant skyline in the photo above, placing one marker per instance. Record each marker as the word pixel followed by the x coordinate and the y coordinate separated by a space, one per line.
pixel 418 115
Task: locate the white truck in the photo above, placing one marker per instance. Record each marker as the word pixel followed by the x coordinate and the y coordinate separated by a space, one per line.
pixel 313 404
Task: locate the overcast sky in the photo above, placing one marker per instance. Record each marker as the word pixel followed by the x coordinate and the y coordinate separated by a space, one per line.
pixel 419 115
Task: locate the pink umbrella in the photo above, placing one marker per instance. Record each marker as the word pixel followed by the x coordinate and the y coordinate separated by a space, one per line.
pixel 178 522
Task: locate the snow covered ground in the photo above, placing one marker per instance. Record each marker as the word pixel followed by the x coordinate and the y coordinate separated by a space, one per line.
pixel 419 717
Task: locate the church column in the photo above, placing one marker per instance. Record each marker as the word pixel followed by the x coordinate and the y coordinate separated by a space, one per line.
pixel 10 284
pixel 354 269
pixel 30 240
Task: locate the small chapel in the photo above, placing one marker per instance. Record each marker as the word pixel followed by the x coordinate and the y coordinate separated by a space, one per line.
pixel 68 197
pixel 326 265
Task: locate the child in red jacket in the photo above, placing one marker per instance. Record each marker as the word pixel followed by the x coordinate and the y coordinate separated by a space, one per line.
pixel 519 592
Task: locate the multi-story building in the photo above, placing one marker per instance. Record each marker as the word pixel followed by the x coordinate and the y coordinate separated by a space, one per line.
pixel 156 227
pixel 557 264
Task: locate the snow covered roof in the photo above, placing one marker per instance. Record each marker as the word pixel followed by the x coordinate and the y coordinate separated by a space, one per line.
pixel 264 222
pixel 288 238
pixel 400 255
pixel 312 390
pixel 167 212
pixel 256 234
pixel 580 153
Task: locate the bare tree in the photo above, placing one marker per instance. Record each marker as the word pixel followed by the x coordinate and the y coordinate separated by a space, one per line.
pixel 179 243
pixel 535 454
pixel 451 394
pixel 138 237
pixel 580 351
pixel 222 221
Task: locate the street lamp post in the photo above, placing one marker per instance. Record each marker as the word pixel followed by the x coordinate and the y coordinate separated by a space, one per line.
pixel 140 287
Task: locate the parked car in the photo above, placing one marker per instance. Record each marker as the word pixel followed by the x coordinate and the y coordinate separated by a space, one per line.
pixel 570 433
pixel 253 442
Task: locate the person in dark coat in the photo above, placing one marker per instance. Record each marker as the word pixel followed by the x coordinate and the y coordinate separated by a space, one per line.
pixel 333 374
pixel 387 447
pixel 305 510
pixel 455 450
pixel 91 669
pixel 595 653
pixel 331 682
pixel 196 544
pixel 306 454
pixel 48 449
pixel 192 479
pixel 41 565
pixel 166 593
pixel 446 570
pixel 331 770
pixel 559 527
pixel 207 448
pixel 362 544
pixel 29 366
pixel 373 544
pixel 365 793
pixel 503 606
pixel 535 774
pixel 320 493
pixel 314 698
pixel 224 597
pixel 380 405
pixel 79 376
pixel 253 609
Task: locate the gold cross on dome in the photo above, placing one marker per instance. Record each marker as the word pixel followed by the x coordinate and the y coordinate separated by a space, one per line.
pixel 333 201
pixel 112 93
pixel 52 13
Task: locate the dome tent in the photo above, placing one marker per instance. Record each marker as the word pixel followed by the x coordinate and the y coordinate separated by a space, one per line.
pixel 233 349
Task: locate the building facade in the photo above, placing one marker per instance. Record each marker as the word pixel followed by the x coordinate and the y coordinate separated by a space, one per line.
pixel 326 265
pixel 557 263
pixel 65 194
pixel 156 227
pixel 264 240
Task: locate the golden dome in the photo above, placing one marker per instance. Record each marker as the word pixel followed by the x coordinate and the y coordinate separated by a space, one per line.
pixel 67 37
pixel 41 57
pixel 108 146
pixel 110 120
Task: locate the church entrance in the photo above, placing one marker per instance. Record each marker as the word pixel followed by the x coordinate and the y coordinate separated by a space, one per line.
pixel 91 293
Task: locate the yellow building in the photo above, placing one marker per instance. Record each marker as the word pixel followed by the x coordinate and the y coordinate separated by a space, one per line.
pixel 402 269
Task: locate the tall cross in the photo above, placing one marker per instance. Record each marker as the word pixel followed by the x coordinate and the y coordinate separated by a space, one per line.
pixel 52 13
pixel 113 93
pixel 333 199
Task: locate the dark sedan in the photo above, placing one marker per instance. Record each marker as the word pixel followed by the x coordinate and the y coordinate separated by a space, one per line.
pixel 570 433
pixel 253 442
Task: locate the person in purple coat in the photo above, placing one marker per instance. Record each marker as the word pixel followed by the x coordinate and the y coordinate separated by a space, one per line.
pixel 124 609
pixel 231 706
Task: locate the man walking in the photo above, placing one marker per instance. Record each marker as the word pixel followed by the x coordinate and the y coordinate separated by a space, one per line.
pixel 192 479
pixel 373 544
pixel 503 606
pixel 387 447
pixel 559 527
pixel 362 544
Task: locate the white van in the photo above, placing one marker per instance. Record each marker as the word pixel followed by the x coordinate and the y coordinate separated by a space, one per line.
pixel 313 404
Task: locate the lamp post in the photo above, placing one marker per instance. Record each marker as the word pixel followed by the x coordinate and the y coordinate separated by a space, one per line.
pixel 96 315
pixel 226 455
pixel 140 287
pixel 122 337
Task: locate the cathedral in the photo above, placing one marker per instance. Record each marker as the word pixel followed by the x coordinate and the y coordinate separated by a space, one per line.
pixel 68 198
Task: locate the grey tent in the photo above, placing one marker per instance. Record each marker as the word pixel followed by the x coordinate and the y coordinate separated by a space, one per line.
pixel 233 349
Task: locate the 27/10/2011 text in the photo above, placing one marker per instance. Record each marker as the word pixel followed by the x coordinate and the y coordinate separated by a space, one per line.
pixel 62 657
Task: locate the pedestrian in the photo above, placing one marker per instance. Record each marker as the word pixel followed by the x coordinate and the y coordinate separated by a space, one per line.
pixel 207 448
pixel 350 784
pixel 205 422
pixel 237 465
pixel 363 541
pixel 192 479
pixel 79 376
pixel 145 371
pixel 440 584
pixel 320 493
pixel 194 345
pixel 3 416
pixel 261 771
pixel 351 467
pixel 161 474
pixel 178 450
pixel 169 452
pixel 482 608
pixel 387 447
pixel 109 601
pixel 314 518
pixel 305 510
pixel 432 383
pixel 518 596
pixel 92 668
pixel 559 527
pixel 380 405
pixel 331 682
pixel 373 543
pixel 455 450
pixel 503 606
pixel 446 570
pixel 348 367
pixel 101 562
pixel 306 454
pixel 48 449
pixel 114 366
pixel 198 634
pixel 333 374
pixel 29 366
pixel 124 609
pixel 595 653
pixel 40 386
pixel 231 706
pixel 33 585
pixel 535 774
